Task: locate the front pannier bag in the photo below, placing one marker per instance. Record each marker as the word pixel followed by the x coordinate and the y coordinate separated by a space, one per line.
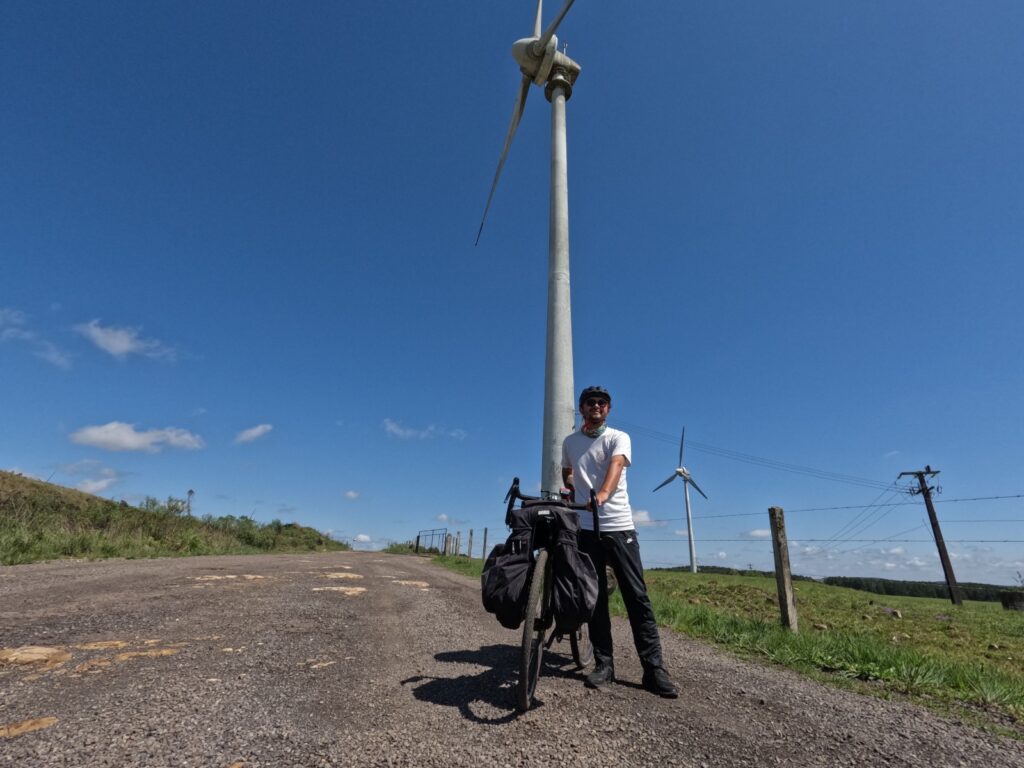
pixel 503 584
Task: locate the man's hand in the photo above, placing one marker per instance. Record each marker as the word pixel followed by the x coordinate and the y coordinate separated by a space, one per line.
pixel 602 497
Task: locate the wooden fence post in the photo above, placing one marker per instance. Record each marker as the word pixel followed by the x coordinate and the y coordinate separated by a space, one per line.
pixel 447 543
pixel 417 543
pixel 483 555
pixel 469 545
pixel 458 544
pixel 783 576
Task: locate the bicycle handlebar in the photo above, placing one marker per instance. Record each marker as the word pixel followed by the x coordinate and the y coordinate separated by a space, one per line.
pixel 515 494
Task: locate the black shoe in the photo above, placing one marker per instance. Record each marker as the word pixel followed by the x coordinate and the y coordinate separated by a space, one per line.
pixel 656 680
pixel 601 676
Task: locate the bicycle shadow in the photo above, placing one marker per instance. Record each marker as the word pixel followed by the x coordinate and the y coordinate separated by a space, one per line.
pixel 487 697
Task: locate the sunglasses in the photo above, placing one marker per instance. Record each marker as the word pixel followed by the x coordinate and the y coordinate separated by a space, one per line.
pixel 599 401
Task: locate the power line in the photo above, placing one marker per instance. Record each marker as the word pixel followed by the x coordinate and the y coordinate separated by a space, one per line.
pixel 703 517
pixel 851 506
pixel 682 537
pixel 1011 520
pixel 870 521
pixel 847 528
pixel 747 458
pixel 907 503
pixel 887 539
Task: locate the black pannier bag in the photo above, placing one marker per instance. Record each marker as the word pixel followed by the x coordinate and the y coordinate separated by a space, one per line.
pixel 503 583
pixel 574 578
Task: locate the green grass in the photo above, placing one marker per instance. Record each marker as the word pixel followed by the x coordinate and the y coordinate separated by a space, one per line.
pixel 41 521
pixel 460 564
pixel 968 660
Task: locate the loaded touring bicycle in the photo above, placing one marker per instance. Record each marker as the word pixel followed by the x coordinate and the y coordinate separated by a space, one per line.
pixel 539 579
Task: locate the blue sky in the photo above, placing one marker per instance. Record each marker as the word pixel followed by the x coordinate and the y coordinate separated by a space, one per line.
pixel 237 247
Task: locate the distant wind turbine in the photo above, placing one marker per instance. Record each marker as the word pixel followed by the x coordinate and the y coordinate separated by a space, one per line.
pixel 688 480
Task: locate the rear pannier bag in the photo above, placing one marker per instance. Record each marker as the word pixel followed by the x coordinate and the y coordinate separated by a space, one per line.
pixel 505 580
pixel 574 578
pixel 503 584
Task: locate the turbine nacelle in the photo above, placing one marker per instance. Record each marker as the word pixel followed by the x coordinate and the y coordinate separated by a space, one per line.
pixel 536 62
pixel 682 472
pixel 541 62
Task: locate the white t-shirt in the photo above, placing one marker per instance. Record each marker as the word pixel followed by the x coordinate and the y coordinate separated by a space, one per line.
pixel 589 458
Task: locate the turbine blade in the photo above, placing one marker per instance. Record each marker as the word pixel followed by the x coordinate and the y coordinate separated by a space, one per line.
pixel 517 114
pixel 541 44
pixel 670 479
pixel 681 441
pixel 698 488
pixel 536 21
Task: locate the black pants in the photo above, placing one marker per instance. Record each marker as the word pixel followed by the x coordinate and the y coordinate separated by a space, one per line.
pixel 621 550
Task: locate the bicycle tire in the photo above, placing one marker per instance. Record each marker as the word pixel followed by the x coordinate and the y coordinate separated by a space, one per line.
pixel 534 626
pixel 582 649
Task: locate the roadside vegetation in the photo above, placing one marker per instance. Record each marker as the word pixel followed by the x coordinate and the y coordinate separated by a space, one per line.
pixel 41 521
pixel 967 662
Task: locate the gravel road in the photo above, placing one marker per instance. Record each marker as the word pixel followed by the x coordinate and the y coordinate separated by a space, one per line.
pixel 358 659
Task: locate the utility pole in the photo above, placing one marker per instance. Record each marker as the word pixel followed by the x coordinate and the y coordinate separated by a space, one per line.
pixel 947 566
pixel 188 503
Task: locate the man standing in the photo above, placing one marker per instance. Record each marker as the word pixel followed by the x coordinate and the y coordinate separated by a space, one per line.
pixel 596 458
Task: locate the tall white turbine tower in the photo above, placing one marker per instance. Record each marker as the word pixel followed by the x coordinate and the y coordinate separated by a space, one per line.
pixel 688 480
pixel 543 64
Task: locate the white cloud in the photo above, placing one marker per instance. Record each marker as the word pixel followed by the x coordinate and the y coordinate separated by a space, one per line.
pixel 812 550
pixel 96 486
pixel 13 328
pixel 642 519
pixel 96 478
pixel 51 353
pixel 894 551
pixel 681 532
pixel 891 455
pixel 395 429
pixel 362 538
pixel 758 533
pixel 121 342
pixel 253 433
pixel 352 495
pixel 119 436
pixel 721 555
pixel 10 316
pixel 448 520
pixel 22 472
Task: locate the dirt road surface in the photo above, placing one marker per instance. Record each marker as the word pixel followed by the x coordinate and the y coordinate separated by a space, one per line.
pixel 357 659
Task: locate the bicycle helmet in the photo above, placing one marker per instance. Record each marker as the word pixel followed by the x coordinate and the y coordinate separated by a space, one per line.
pixel 595 392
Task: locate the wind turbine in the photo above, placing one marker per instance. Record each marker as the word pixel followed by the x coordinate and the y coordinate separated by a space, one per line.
pixel 543 64
pixel 688 480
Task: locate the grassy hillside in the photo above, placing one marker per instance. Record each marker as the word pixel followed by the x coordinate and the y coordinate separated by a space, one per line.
pixel 41 521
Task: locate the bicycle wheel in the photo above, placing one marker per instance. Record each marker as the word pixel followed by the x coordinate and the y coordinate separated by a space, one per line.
pixel 582 650
pixel 534 626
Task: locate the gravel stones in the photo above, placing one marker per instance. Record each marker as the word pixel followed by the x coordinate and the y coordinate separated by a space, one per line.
pixel 402 674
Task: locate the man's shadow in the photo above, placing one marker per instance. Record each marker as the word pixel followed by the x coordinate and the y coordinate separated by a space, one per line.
pixel 495 687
